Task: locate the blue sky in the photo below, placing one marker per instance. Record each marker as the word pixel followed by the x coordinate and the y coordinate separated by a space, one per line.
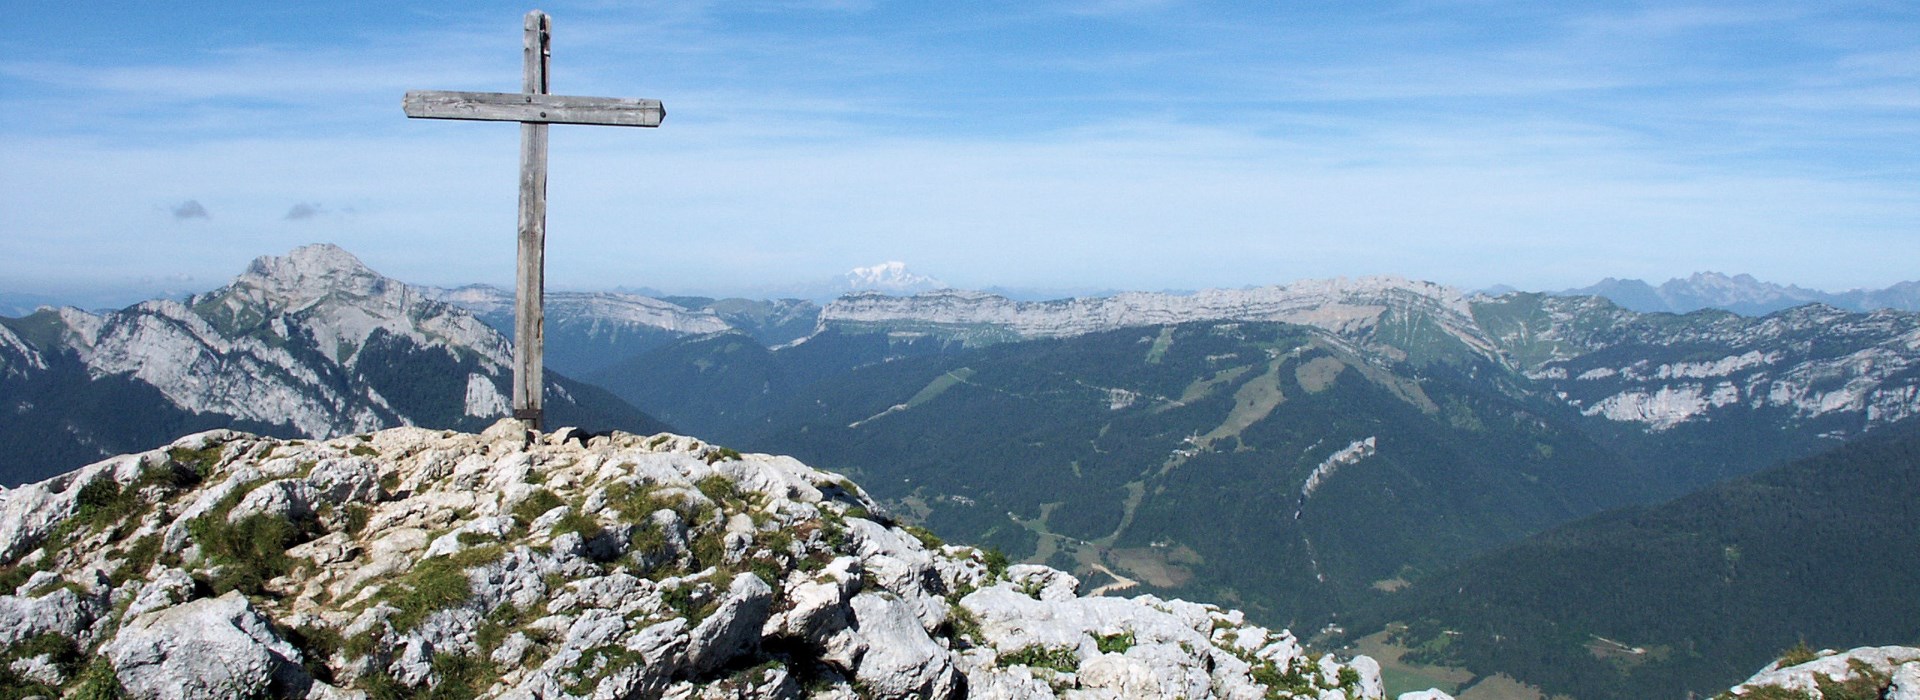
pixel 1135 144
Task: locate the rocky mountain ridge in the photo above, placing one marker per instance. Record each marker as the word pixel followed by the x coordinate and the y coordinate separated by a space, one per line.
pixel 1742 294
pixel 1347 307
pixel 563 565
pixel 312 343
pixel 1812 364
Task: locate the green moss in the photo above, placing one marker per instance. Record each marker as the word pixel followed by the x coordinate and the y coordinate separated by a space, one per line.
pixel 779 541
pixel 579 522
pixel 363 451
pixel 137 558
pixel 317 644
pixel 459 677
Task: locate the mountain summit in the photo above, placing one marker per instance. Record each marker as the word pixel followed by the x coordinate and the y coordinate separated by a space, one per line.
pixel 313 343
pixel 891 277
pixel 417 563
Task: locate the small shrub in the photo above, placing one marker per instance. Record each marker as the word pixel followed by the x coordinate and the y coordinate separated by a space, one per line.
pixel 997 563
pixel 688 601
pixel 1297 681
pixel 137 558
pixel 1350 678
pixel 99 683
pixel 1114 643
pixel 1062 659
pixel 357 516
pixel 436 584
pixel 597 663
pixel 962 626
pixel 535 505
pixel 635 503
pixel 199 463
pixel 1032 587
pixel 719 488
pixel 459 677
pixel 926 537
pixel 576 521
pixel 249 552
pixel 709 548
pixel 1798 654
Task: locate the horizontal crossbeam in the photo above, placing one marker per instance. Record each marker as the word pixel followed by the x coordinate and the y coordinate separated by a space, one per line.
pixel 532 108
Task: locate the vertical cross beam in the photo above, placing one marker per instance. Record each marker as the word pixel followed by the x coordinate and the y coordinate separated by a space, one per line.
pixel 534 107
pixel 529 316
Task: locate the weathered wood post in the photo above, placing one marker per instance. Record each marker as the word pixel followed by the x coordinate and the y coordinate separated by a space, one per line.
pixel 534 108
pixel 530 280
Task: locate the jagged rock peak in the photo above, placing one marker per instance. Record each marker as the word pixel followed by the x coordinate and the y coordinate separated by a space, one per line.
pixel 562 565
pixel 311 272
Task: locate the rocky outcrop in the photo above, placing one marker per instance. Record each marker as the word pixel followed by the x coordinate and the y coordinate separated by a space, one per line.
pixel 521 565
pixel 1891 672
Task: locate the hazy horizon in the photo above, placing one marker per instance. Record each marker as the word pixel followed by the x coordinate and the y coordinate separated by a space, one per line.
pixel 113 296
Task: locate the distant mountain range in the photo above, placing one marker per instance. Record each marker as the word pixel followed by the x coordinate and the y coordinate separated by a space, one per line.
pixel 1742 294
pixel 1301 451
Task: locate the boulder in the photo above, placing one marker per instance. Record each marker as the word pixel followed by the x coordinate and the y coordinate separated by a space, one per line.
pixel 901 660
pixel 211 649
pixel 733 629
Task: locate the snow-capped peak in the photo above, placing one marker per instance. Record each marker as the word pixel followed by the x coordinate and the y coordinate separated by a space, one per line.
pixel 890 276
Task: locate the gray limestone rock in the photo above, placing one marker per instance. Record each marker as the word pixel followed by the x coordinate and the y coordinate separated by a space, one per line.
pixel 901 660
pixel 600 609
pixel 212 648
pixel 63 612
pixel 734 628
pixel 1906 682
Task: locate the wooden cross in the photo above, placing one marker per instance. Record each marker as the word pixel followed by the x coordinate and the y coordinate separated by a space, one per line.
pixel 534 109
